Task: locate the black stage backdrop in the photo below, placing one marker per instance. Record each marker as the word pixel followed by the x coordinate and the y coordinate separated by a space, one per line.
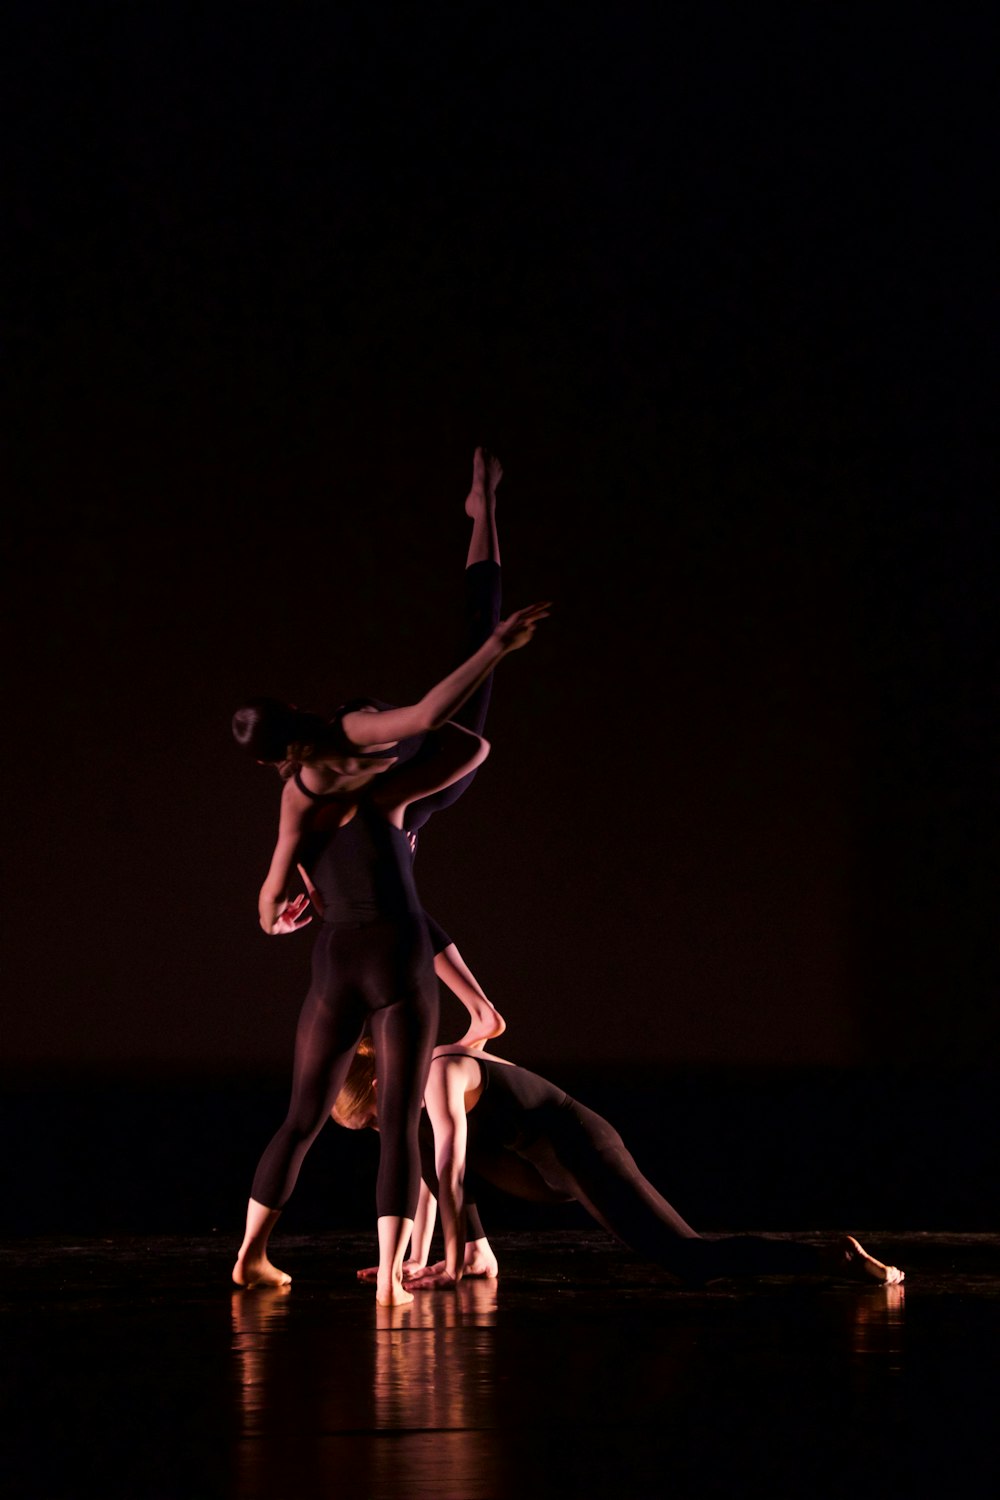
pixel 719 287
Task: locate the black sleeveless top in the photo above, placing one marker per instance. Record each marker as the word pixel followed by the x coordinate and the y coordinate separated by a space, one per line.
pixel 512 1110
pixel 363 870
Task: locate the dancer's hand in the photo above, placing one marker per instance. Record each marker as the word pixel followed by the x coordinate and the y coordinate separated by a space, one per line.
pixel 291 916
pixel 519 627
pixel 433 1279
pixel 480 1261
pixel 410 1268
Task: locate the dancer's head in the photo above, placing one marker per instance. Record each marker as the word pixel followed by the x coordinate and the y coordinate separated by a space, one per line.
pixel 355 1106
pixel 277 733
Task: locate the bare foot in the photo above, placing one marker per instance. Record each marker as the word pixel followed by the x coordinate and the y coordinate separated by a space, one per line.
pixel 395 1295
pixel 257 1270
pixel 855 1262
pixel 486 475
pixel 486 1023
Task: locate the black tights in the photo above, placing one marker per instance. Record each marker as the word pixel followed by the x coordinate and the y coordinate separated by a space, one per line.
pixel 579 1157
pixel 380 973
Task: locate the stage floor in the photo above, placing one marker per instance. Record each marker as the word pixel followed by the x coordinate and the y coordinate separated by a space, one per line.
pixel 133 1369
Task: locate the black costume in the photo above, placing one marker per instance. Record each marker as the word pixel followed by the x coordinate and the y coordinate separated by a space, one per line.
pixel 530 1139
pixel 371 964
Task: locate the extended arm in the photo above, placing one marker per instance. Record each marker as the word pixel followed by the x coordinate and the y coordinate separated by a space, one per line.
pixel 423 1229
pixel 447 696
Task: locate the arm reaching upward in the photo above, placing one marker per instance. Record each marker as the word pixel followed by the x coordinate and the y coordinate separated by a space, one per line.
pixel 387 725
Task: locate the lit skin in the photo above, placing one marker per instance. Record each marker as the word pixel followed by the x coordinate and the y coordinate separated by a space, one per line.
pixel 450 1092
pixel 378 729
pixel 460 752
pixel 344 778
pixel 485 1021
pixel 454 1085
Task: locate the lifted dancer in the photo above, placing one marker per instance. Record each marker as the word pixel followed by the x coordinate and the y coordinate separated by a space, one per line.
pixel 480 616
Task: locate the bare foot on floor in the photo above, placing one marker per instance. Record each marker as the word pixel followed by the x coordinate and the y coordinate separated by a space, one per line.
pixel 486 475
pixel 258 1271
pixel 856 1263
pixel 395 1295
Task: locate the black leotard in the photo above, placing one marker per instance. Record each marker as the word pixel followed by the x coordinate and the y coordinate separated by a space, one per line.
pixel 530 1139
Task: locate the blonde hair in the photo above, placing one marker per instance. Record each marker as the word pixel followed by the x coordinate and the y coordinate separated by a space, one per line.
pixel 355 1097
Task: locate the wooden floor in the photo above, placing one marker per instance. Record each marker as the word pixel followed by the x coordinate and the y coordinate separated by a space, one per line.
pixel 131 1368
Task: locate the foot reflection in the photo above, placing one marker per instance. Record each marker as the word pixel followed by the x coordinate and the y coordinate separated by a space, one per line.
pixel 256 1314
pixel 433 1383
pixel 332 1399
pixel 877 1327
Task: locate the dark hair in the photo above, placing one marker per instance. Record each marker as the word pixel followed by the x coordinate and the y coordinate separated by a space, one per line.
pixel 267 728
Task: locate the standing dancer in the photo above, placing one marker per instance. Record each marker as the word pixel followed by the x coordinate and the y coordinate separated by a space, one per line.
pixel 342 820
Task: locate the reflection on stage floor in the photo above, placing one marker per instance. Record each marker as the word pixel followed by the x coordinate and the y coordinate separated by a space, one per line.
pixel 133 1369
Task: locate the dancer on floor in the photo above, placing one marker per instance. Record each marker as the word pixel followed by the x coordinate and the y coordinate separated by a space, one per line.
pixel 492 1121
pixel 342 811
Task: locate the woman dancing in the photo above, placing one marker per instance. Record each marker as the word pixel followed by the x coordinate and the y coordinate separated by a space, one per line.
pixel 499 1123
pixel 341 821
pixel 480 616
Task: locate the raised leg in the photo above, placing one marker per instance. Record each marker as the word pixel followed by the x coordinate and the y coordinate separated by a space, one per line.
pixel 480 507
pixel 485 1021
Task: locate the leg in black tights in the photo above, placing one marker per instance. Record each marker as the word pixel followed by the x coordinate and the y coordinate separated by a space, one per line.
pixel 382 972
pixel 325 1040
pixel 403 1035
pixel 581 1156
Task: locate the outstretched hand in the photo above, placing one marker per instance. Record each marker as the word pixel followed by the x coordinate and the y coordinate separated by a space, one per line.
pixel 432 1279
pixel 519 627
pixel 410 1268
